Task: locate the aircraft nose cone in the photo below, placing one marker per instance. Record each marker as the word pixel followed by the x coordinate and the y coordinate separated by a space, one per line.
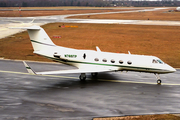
pixel 171 69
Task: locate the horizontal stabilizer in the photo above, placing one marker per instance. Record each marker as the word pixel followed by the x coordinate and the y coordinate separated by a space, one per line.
pixel 28 28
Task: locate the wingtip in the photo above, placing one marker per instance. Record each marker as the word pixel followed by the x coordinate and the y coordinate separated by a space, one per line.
pixel 30 71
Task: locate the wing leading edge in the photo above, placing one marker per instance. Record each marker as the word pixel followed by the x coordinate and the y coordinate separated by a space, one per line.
pixel 30 71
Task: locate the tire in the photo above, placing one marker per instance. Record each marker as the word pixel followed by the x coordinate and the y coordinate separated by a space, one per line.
pixel 159 81
pixel 94 74
pixel 82 78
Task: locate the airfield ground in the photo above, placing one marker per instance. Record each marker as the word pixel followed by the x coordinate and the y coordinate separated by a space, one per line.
pixel 161 41
pixel 150 15
pixel 143 117
pixel 16 13
pixel 28 12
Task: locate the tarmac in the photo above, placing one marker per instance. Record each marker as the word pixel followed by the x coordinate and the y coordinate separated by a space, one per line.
pixel 24 96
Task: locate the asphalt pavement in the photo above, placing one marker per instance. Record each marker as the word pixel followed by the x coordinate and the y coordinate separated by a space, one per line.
pixel 24 96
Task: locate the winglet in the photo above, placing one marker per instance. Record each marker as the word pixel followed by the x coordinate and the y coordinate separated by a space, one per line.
pixel 30 71
pixel 97 48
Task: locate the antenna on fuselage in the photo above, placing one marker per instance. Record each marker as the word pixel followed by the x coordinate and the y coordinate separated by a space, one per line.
pixel 97 48
pixel 129 52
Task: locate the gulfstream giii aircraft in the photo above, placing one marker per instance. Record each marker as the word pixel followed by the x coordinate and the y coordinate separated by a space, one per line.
pixel 91 61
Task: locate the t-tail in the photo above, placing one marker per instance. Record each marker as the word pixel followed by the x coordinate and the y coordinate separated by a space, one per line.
pixel 39 38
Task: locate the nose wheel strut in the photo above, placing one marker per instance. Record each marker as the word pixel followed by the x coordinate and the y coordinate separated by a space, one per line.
pixel 158 78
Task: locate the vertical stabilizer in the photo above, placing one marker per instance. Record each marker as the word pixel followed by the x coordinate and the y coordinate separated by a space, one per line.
pixel 39 38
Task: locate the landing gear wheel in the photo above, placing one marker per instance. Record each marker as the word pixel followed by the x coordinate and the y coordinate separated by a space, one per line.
pixel 158 81
pixel 82 77
pixel 94 74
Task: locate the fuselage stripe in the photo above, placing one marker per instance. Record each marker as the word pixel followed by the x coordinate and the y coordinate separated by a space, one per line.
pixel 42 43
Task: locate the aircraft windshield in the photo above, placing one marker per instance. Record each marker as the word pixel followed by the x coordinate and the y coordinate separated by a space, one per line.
pixel 158 61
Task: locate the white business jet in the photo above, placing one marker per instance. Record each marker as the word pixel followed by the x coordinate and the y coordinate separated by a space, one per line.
pixel 90 61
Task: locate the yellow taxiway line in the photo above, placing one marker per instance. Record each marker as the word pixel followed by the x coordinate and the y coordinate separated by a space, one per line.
pixel 119 81
pixel 37 75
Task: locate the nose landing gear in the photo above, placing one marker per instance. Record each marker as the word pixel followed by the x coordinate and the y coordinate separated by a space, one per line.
pixel 158 78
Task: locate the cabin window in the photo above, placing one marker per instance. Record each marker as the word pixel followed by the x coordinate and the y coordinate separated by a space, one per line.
pixel 104 60
pixel 129 62
pixel 112 61
pixel 96 59
pixel 121 62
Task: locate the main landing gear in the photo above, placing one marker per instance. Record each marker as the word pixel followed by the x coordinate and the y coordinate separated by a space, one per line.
pixel 158 79
pixel 94 74
pixel 82 77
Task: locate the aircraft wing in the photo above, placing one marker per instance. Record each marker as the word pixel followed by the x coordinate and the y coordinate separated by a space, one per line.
pixel 68 71
pixel 71 71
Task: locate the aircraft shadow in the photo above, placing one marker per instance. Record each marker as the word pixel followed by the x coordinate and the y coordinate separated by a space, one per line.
pixel 91 81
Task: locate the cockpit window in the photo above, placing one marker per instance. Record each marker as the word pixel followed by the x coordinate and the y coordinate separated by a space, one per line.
pixel 161 62
pixel 157 61
pixel 154 61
